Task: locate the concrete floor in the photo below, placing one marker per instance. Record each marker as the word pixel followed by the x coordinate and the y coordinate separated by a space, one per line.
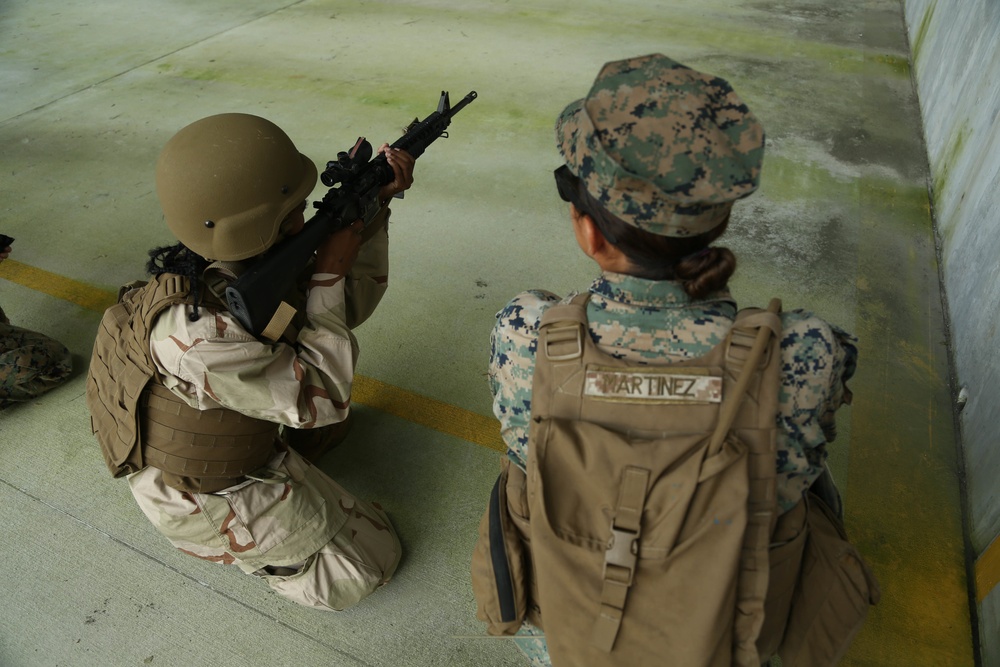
pixel 842 226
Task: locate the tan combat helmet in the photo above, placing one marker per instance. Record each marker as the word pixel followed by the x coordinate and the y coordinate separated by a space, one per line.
pixel 227 182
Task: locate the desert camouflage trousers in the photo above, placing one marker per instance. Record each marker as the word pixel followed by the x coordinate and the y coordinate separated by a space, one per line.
pixel 30 363
pixel 294 527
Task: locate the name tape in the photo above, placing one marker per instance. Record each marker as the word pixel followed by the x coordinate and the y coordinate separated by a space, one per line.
pixel 653 386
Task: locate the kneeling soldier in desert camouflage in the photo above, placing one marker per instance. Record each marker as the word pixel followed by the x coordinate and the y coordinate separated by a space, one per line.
pixel 215 429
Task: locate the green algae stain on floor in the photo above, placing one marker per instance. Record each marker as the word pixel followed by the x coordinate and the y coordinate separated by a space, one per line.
pixel 789 178
pixel 903 448
pixel 903 205
pixel 896 65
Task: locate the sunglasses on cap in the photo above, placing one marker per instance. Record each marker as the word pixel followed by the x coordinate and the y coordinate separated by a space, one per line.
pixel 568 186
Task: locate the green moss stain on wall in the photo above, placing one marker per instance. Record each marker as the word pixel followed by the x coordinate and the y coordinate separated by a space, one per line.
pixel 942 172
pixel 946 162
pixel 925 25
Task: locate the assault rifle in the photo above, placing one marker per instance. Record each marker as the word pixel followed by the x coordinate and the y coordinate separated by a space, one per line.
pixel 354 179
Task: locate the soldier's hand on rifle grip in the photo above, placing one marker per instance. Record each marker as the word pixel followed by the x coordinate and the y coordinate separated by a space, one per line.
pixel 402 167
pixel 340 250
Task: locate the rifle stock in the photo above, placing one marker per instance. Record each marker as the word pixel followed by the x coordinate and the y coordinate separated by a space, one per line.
pixel 256 297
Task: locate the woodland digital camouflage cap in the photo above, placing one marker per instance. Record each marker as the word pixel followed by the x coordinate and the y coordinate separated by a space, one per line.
pixel 662 146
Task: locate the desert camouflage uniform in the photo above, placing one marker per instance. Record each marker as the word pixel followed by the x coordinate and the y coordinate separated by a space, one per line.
pixel 669 150
pixel 30 363
pixel 309 538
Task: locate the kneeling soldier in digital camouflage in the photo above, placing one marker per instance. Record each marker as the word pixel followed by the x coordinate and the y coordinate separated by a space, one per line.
pixel 31 363
pixel 216 430
pixel 665 451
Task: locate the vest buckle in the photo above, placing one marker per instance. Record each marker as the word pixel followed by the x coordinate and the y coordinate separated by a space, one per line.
pixel 621 554
pixel 567 337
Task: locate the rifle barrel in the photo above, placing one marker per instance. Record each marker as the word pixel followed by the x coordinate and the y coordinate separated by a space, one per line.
pixel 255 296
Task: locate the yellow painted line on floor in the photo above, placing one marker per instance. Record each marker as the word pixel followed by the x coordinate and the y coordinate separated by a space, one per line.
pixel 988 571
pixel 53 284
pixel 428 412
pixel 401 403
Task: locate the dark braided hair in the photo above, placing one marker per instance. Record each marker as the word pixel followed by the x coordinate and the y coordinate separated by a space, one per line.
pixel 178 259
pixel 701 268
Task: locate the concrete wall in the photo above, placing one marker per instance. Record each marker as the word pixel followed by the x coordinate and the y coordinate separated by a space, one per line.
pixel 955 47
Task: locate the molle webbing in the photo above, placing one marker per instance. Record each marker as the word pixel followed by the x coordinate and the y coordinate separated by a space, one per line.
pixel 138 422
pixel 120 368
pixel 210 449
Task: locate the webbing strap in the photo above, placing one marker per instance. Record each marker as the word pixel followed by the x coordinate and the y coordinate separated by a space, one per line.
pixel 219 275
pixel 732 403
pixel 498 555
pixel 563 342
pixel 280 321
pixel 621 556
pixel 563 327
pixel 753 579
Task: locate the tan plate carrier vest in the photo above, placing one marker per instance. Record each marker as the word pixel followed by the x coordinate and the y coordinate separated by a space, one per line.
pixel 139 422
pixel 645 531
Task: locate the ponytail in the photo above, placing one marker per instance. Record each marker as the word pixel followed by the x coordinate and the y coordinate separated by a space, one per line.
pixel 182 261
pixel 705 271
pixel 688 259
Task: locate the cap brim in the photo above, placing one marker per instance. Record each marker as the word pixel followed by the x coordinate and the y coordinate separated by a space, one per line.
pixel 569 132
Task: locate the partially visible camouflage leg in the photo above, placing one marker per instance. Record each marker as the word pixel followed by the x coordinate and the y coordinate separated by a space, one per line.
pixel 532 643
pixel 30 363
pixel 308 538
pixel 362 557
